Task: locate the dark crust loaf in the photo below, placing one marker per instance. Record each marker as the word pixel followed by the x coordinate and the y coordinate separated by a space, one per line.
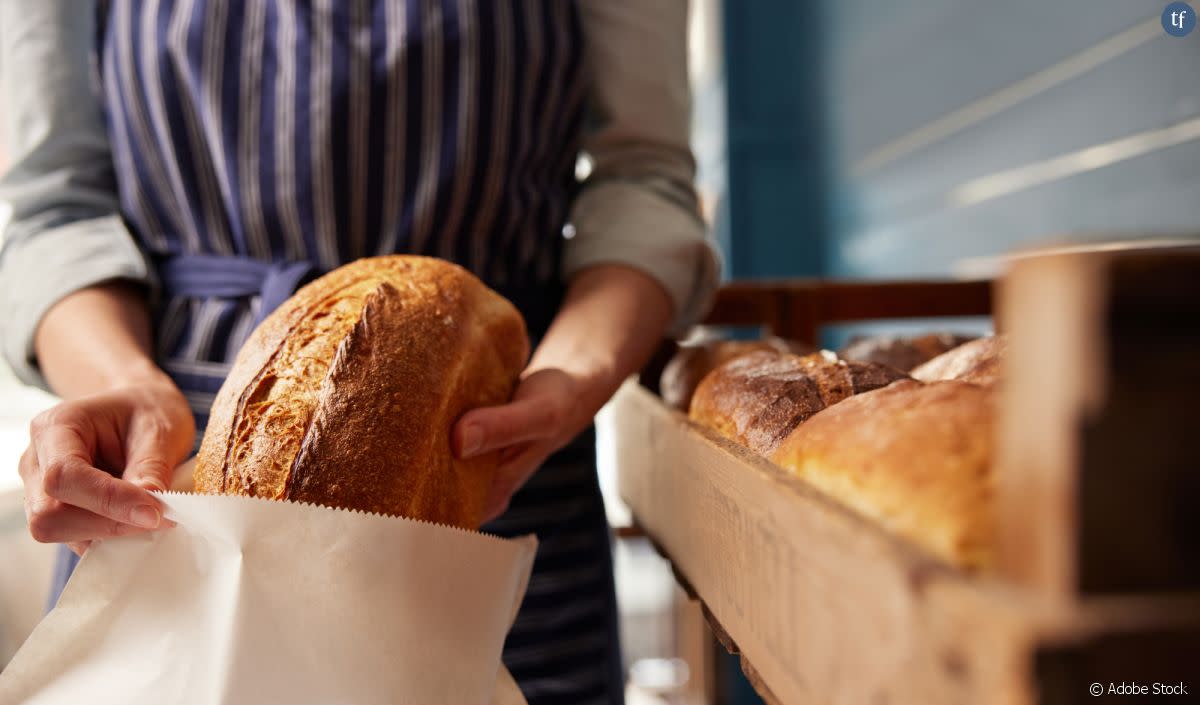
pixel 346 394
pixel 902 353
pixel 691 363
pixel 977 362
pixel 915 457
pixel 757 399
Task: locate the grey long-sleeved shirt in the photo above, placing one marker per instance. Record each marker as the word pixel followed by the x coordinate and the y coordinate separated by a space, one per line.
pixel 60 217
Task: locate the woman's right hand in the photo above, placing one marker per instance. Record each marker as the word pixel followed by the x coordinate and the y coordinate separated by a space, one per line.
pixel 92 461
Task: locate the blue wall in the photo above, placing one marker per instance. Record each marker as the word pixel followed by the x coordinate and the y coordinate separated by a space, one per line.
pixel 774 222
pixel 871 138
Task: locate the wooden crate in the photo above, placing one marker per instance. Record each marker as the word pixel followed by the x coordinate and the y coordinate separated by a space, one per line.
pixel 825 607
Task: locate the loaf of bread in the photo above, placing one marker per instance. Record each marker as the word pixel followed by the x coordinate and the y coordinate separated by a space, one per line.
pixel 915 457
pixel 346 394
pixel 757 399
pixel 691 363
pixel 977 362
pixel 901 353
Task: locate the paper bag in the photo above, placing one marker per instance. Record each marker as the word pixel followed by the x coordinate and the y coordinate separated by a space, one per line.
pixel 257 601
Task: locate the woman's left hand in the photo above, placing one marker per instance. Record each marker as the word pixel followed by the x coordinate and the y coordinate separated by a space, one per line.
pixel 610 321
pixel 549 408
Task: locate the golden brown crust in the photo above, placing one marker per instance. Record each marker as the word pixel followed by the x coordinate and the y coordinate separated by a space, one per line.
pixel 902 353
pixel 977 362
pixel 757 399
pixel 691 363
pixel 346 394
pixel 915 457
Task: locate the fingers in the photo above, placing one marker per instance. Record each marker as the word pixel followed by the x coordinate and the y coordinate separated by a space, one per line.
pixel 69 477
pixel 61 523
pixel 79 547
pixel 490 428
pixel 69 499
pixel 512 474
pixel 25 468
pixel 540 409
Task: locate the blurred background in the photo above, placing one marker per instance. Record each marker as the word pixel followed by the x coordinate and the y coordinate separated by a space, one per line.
pixel 862 139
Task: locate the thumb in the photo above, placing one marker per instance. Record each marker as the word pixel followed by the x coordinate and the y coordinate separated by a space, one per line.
pixel 491 428
pixel 539 409
pixel 151 455
pixel 149 473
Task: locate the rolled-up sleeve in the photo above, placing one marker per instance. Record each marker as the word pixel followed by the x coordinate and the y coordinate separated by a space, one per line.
pixel 638 206
pixel 59 213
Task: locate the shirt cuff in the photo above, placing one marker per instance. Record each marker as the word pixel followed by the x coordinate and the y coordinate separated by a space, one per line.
pixel 626 223
pixel 38 270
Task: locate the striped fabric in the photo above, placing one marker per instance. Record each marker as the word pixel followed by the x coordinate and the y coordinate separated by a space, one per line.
pixel 563 647
pixel 328 130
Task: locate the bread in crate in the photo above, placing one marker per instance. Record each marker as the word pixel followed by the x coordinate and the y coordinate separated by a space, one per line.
pixel 757 399
pixel 692 363
pixel 903 353
pixel 977 362
pixel 914 454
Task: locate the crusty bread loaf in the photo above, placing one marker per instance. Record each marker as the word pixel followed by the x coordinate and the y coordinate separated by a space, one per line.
pixel 915 457
pixel 977 362
pixel 901 353
pixel 346 394
pixel 757 399
pixel 691 363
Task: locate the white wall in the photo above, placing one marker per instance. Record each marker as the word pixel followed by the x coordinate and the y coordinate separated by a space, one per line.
pixel 24 565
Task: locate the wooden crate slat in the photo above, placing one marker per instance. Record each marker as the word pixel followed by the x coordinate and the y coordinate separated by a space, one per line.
pixel 1098 480
pixel 798 309
pixel 804 586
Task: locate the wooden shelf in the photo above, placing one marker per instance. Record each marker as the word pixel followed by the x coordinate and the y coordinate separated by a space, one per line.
pixel 825 607
pixel 797 309
pixel 1098 570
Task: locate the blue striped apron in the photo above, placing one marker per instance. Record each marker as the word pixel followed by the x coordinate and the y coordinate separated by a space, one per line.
pixel 260 143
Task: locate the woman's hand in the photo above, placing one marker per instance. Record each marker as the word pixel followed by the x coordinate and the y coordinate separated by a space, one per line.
pixel 122 418
pixel 549 408
pixel 610 322
pixel 92 462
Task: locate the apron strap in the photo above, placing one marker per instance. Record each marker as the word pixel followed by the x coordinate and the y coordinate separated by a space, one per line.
pixel 232 276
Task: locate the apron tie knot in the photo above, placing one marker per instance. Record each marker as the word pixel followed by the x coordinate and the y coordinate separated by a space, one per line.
pixel 233 276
